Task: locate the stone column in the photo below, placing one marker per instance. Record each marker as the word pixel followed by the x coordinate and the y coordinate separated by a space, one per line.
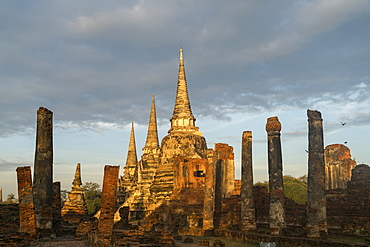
pixel 316 198
pixel 225 155
pixel 108 205
pixel 248 218
pixel 275 164
pixel 209 192
pixel 43 171
pixel 27 218
pixel 57 209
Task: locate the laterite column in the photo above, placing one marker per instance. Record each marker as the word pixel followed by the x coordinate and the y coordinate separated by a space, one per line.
pixel 316 198
pixel 43 172
pixel 275 165
pixel 248 218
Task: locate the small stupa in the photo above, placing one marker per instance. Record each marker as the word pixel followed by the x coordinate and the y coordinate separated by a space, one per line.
pixel 74 208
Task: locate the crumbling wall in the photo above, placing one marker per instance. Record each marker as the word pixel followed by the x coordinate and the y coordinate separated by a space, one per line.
pixel 348 209
pixel 189 173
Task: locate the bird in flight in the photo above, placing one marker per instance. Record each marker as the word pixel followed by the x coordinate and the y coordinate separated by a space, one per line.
pixel 306 151
pixel 345 142
pixel 343 123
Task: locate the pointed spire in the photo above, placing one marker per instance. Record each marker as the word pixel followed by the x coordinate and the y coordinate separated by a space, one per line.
pixel 182 118
pixel 77 181
pixel 152 136
pixel 131 159
pixel 182 104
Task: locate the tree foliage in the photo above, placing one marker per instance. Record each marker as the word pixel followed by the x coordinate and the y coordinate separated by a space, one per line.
pixel 92 194
pixel 294 188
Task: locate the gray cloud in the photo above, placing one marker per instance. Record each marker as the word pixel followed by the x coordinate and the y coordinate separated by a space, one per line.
pixel 96 64
pixel 6 165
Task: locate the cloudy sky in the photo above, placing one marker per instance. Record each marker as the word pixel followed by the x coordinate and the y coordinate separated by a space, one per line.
pixel 95 64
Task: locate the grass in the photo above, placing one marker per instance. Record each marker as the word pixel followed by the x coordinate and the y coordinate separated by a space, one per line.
pixel 348 239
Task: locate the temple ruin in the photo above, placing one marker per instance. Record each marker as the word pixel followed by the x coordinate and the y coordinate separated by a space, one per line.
pixel 338 166
pixel 179 162
pixel 179 186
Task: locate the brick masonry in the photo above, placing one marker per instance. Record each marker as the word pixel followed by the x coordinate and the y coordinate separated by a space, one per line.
pixel 27 220
pixel 108 205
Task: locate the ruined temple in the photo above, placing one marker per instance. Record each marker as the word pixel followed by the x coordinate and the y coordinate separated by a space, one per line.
pixel 180 186
pixel 338 166
pixel 180 161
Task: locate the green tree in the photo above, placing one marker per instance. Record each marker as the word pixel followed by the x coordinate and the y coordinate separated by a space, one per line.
pixel 92 194
pixel 294 188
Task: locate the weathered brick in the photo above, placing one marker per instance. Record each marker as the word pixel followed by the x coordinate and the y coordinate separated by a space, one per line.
pixel 108 205
pixel 26 206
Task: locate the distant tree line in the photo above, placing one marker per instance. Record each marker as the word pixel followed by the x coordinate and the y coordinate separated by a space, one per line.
pixel 294 188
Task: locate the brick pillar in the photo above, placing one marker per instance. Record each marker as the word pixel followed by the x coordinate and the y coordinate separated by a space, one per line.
pixel 275 165
pixel 108 205
pixel 225 155
pixel 248 212
pixel 27 218
pixel 316 197
pixel 57 209
pixel 209 192
pixel 43 171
